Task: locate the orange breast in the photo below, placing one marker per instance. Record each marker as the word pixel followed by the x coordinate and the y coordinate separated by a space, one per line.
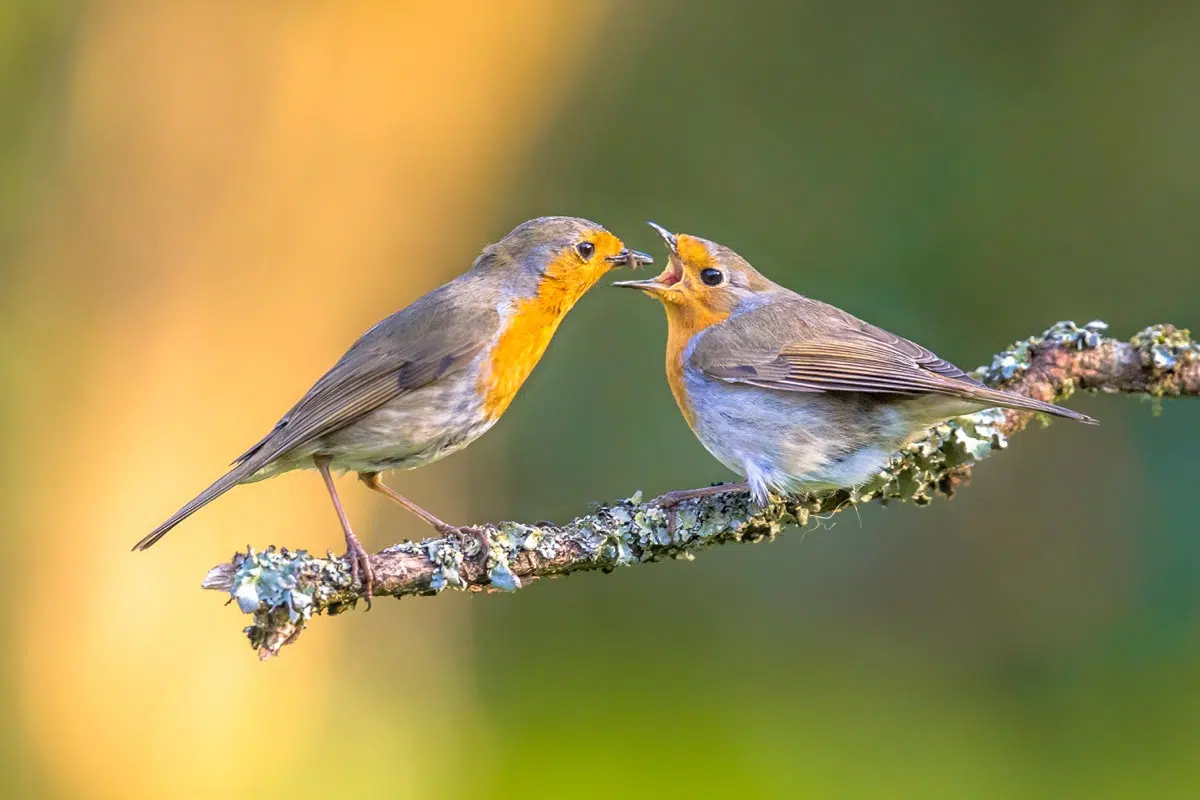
pixel 683 324
pixel 523 340
pixel 676 343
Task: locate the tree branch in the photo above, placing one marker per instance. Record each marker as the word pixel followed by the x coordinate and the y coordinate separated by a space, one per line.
pixel 283 589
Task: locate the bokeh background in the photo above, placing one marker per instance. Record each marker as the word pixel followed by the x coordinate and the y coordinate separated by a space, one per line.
pixel 203 203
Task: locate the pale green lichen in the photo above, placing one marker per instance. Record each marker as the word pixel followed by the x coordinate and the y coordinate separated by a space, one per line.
pixel 448 557
pixel 502 577
pixel 282 579
pixel 1013 361
pixel 628 532
pixel 503 545
pixel 281 589
pixel 1087 337
pixel 918 472
pixel 1165 347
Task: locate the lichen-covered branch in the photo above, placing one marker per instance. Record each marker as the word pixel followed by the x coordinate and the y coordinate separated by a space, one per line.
pixel 284 589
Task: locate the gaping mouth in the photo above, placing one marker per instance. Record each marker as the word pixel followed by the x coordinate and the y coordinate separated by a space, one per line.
pixel 674 270
pixel 671 275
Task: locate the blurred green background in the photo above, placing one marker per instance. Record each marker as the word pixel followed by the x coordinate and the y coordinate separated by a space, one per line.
pixel 203 203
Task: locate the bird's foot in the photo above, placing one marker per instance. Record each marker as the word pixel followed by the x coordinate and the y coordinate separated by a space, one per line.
pixel 668 501
pixel 360 567
pixel 466 535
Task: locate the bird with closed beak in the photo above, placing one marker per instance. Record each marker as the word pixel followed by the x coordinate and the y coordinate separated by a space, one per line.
pixel 433 377
pixel 795 395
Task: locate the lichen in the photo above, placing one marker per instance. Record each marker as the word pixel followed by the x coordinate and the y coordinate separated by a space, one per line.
pixel 1014 360
pixel 629 533
pixel 281 589
pixel 1067 333
pixel 1164 347
pixel 502 577
pixel 448 556
pixel 918 472
pixel 503 545
pixel 283 579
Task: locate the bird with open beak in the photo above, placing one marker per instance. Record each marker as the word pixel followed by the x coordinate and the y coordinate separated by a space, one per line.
pixel 792 394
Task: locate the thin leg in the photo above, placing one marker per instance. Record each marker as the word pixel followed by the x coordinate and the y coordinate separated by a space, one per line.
pixel 668 501
pixel 374 482
pixel 360 561
pixel 672 499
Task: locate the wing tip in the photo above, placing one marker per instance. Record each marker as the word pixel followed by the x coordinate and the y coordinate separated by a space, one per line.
pixel 149 540
pixel 1067 413
pixel 1019 402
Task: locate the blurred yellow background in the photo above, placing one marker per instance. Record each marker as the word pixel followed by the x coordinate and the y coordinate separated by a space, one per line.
pixel 203 203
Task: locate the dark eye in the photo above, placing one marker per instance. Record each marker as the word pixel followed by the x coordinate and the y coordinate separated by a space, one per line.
pixel 585 250
pixel 711 277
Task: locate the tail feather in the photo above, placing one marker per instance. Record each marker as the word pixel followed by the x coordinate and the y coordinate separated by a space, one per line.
pixel 1018 401
pixel 220 486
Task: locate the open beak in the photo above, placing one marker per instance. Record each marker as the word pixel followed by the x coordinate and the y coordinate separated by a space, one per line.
pixel 629 258
pixel 669 276
pixel 649 285
pixel 667 237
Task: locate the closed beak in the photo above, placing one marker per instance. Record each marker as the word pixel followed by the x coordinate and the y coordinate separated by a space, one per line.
pixel 630 258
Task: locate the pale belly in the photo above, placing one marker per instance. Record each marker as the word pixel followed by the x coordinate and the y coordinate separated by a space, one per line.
pixel 796 442
pixel 407 432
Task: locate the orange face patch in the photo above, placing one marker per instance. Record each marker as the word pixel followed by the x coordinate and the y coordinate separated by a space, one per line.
pixel 573 268
pixel 533 321
pixel 689 302
pixel 694 252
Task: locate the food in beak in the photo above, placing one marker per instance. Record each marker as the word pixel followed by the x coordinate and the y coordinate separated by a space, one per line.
pixel 630 258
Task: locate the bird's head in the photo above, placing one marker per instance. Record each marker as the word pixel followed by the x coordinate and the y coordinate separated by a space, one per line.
pixel 703 280
pixel 569 252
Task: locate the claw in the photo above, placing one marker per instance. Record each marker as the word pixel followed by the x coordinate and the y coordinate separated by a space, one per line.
pixel 467 534
pixel 360 567
pixel 667 502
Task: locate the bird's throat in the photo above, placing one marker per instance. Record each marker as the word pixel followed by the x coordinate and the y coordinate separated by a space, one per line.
pixel 684 323
pixel 525 336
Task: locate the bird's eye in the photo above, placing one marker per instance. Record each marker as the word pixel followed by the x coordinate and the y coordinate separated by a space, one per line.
pixel 711 277
pixel 585 250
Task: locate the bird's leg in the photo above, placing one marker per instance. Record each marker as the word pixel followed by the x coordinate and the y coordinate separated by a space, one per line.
pixel 360 561
pixel 672 499
pixel 668 501
pixel 373 481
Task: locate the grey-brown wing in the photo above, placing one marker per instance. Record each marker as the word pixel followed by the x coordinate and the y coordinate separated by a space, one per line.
pixel 786 349
pixel 432 337
pixel 412 348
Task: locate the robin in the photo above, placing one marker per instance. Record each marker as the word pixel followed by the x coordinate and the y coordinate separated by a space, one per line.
pixel 792 394
pixel 433 377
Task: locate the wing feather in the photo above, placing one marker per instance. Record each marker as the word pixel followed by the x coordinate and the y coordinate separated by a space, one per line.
pixel 411 349
pixel 801 345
